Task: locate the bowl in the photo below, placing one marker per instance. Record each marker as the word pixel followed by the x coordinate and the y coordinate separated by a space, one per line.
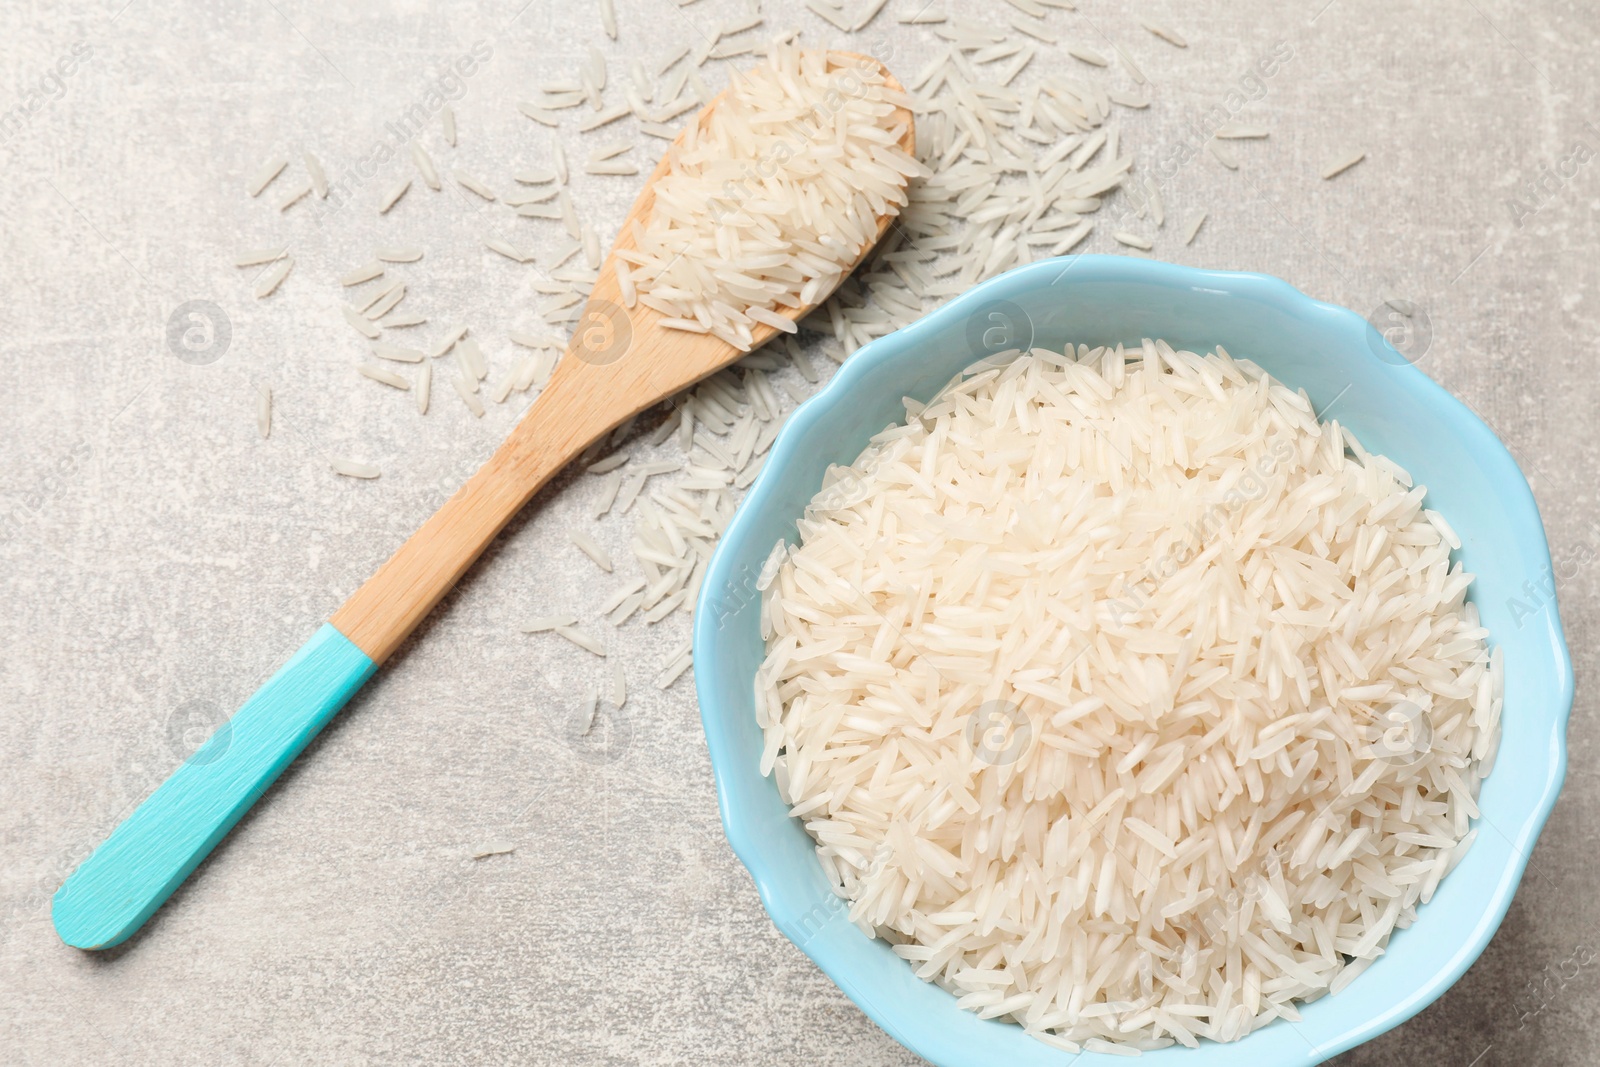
pixel 1344 364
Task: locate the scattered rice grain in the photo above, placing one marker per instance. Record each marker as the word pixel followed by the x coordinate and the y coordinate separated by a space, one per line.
pixel 269 170
pixel 351 468
pixel 383 374
pixel 1341 165
pixel 394 196
pixel 274 278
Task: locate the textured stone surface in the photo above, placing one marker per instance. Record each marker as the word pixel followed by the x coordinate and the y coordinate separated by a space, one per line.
pixel 160 559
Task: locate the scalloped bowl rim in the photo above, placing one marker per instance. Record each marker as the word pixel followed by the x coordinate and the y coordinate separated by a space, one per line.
pixel 709 659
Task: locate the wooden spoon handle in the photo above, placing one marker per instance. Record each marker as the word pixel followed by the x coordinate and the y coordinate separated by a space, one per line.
pixel 571 413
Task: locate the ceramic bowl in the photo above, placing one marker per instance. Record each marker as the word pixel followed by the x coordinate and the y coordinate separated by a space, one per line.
pixel 1351 373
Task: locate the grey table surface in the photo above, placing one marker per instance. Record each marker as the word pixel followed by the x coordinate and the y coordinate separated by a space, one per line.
pixel 159 558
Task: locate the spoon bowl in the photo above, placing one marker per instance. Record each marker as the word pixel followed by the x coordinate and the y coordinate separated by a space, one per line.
pixel 619 361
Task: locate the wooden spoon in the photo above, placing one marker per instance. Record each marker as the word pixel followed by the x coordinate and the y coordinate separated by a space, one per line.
pixel 619 361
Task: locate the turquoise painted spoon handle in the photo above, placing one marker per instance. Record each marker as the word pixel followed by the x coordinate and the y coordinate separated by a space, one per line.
pixel 134 870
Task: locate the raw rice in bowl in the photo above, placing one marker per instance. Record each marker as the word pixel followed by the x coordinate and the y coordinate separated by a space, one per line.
pixel 1126 700
pixel 1130 703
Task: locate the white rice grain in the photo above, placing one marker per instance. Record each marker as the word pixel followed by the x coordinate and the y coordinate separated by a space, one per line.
pixel 608 496
pixel 364 273
pixel 383 374
pixel 539 114
pixel 294 196
pixel 581 639
pixel 363 325
pixel 612 169
pixel 504 248
pixel 273 278
pixel 1342 164
pixel 386 302
pixel 468 396
pixel 472 355
pixel 547 622
pixel 404 320
pixel 869 13
pixel 829 14
pixel 261 256
pixel 1166 33
pixel 424 164
pixel 351 468
pixel 450 340
pixel 1127 61
pixel 473 185
pixel 264 411
pixel 393 196
pixel 604 118
pixel 319 176
pixel 263 177
pixel 591 548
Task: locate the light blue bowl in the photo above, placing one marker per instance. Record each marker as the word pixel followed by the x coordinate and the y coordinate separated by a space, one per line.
pixel 1340 360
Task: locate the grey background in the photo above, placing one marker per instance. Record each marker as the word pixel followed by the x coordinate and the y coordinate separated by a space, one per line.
pixel 159 559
